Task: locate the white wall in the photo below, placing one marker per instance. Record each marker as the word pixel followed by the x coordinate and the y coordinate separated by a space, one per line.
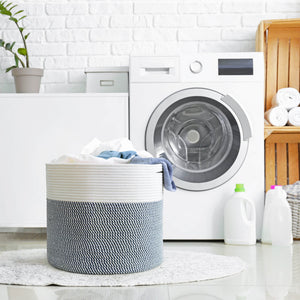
pixel 68 36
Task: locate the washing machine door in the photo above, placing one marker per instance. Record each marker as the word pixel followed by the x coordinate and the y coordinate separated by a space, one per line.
pixel 203 133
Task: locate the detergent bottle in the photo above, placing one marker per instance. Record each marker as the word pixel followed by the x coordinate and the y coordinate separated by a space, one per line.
pixel 271 195
pixel 280 219
pixel 240 219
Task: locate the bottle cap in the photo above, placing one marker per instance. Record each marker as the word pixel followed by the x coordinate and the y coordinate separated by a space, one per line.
pixel 239 187
pixel 273 187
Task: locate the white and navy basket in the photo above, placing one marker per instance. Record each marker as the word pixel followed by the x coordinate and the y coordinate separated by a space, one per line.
pixel 293 198
pixel 104 219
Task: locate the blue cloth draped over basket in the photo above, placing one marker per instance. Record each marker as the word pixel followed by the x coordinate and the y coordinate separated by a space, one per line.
pixel 91 233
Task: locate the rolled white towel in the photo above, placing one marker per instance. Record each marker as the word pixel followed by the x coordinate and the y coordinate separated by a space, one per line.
pixel 294 116
pixel 277 116
pixel 286 97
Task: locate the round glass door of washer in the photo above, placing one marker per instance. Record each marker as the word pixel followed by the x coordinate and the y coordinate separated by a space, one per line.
pixel 200 132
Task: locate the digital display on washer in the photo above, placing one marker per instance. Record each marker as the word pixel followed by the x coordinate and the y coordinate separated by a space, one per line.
pixel 235 66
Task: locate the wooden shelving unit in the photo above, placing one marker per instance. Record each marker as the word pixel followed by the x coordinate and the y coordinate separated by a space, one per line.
pixel 280 42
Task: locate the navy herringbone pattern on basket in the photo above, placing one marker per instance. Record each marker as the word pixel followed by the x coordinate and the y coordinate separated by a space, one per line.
pixel 104 238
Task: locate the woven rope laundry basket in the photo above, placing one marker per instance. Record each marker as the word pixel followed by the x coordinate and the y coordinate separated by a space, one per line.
pixel 293 198
pixel 104 219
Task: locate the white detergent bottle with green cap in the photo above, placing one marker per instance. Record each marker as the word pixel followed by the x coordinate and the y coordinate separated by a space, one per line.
pixel 240 219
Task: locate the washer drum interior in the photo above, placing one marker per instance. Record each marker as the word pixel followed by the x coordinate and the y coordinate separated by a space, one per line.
pixel 203 133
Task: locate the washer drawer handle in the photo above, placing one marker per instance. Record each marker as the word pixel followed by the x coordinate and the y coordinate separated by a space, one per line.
pixel 107 82
pixel 157 70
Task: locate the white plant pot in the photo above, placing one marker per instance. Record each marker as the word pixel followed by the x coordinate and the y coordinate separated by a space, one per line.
pixel 27 80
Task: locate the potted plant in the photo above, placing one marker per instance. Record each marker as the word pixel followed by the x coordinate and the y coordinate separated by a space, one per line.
pixel 27 80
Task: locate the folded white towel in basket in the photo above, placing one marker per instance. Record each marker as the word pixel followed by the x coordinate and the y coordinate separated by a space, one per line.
pixel 287 98
pixel 277 116
pixel 294 116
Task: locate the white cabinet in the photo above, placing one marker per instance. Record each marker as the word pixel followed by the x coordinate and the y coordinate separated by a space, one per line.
pixel 34 129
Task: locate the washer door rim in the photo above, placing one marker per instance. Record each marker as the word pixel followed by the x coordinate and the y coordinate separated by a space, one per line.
pixel 230 104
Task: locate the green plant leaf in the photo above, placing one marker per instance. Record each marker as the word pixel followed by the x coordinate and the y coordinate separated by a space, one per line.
pixel 12 7
pixel 13 19
pixel 16 60
pixel 10 68
pixel 22 18
pixel 18 12
pixel 15 15
pixel 6 12
pixel 22 51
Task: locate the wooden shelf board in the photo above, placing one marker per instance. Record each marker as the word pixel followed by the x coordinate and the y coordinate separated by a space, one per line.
pixel 285 134
pixel 283 138
pixel 283 129
pixel 280 130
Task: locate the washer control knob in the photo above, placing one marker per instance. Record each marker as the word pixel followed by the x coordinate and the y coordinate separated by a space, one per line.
pixel 196 67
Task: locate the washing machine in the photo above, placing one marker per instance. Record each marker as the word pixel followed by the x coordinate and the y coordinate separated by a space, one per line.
pixel 204 113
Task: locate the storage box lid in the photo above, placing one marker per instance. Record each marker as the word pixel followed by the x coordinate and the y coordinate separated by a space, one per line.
pixel 122 69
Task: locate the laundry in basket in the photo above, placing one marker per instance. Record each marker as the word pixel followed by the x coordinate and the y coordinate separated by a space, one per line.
pixel 104 218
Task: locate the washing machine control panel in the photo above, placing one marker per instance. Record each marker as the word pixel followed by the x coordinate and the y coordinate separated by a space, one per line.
pixel 235 66
pixel 223 67
pixel 196 67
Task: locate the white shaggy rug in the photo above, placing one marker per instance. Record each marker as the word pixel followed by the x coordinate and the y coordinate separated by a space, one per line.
pixel 30 267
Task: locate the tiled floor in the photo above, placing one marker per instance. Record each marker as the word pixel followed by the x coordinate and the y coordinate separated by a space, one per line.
pixel 272 273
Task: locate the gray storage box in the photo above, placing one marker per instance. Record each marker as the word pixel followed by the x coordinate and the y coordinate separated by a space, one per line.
pixel 107 80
